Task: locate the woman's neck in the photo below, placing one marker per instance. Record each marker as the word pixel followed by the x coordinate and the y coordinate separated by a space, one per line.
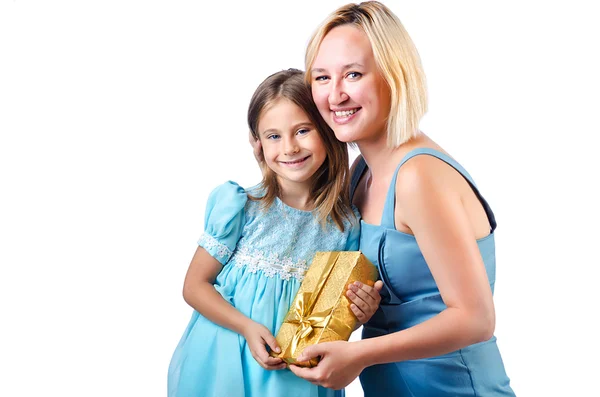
pixel 383 160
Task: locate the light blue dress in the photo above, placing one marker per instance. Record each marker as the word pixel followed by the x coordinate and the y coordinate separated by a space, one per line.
pixel 265 255
pixel 411 296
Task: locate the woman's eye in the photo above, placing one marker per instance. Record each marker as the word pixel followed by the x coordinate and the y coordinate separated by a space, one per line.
pixel 354 75
pixel 321 78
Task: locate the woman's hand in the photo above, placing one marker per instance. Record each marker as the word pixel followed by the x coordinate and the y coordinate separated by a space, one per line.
pixel 258 337
pixel 338 367
pixel 365 299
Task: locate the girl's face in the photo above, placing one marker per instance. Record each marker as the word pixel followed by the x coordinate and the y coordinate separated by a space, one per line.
pixel 347 87
pixel 292 146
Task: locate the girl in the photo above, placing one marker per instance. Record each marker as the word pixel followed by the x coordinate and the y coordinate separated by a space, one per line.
pixel 257 245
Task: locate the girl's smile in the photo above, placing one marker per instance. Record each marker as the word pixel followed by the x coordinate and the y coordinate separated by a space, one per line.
pixel 296 163
pixel 292 147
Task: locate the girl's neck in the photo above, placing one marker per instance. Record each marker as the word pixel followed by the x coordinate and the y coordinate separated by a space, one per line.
pixel 296 195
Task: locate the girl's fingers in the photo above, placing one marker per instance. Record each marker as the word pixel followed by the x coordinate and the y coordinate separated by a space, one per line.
pixel 358 313
pixel 271 341
pixel 273 361
pixel 358 301
pixel 366 292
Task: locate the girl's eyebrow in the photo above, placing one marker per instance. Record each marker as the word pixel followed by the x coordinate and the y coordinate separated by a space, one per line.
pixel 265 132
pixel 294 127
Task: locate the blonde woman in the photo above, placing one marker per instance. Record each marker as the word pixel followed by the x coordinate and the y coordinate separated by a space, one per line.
pixel 424 222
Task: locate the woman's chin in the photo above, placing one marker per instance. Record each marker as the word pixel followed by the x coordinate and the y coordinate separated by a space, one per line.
pixel 345 136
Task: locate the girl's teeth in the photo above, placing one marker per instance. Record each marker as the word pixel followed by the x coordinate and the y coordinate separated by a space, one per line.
pixel 345 113
pixel 295 162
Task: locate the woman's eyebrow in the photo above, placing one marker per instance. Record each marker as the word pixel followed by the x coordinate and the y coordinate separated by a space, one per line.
pixel 345 67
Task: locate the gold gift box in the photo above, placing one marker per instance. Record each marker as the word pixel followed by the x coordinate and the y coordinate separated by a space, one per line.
pixel 321 311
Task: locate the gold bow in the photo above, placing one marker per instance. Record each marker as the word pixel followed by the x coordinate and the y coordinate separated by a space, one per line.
pixel 306 321
pixel 302 314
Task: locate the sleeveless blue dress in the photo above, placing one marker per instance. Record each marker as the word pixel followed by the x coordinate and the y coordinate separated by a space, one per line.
pixel 411 296
pixel 265 254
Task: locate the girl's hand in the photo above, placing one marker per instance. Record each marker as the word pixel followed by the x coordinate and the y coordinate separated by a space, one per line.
pixel 339 364
pixel 365 299
pixel 258 336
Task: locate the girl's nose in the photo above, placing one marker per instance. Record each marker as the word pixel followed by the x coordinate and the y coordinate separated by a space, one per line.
pixel 291 147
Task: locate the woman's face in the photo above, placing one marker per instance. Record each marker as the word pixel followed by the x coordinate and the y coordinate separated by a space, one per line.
pixel 347 87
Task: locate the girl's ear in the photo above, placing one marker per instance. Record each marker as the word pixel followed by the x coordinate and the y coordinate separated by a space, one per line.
pixel 257 149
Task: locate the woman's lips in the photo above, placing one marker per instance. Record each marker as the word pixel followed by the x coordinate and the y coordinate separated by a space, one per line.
pixel 344 116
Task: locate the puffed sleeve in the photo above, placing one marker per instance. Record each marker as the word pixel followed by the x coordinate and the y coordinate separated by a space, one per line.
pixel 224 220
pixel 354 232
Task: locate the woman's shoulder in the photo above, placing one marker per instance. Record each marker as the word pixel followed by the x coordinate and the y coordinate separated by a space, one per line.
pixel 430 178
pixel 425 168
pixel 355 164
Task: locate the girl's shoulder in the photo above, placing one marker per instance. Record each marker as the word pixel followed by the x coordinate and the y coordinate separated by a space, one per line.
pixel 230 199
pixel 229 192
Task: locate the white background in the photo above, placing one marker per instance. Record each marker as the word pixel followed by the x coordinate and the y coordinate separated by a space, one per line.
pixel 117 118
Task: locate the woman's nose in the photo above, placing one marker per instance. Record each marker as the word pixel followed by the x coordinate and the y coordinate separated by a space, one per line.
pixel 337 95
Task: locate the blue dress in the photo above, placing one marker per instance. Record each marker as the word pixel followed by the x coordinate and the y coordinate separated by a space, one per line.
pixel 265 255
pixel 410 297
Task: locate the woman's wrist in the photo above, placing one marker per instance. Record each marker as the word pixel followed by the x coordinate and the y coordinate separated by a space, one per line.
pixel 371 351
pixel 363 352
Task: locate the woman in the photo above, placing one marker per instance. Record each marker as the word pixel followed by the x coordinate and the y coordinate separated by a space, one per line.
pixel 424 223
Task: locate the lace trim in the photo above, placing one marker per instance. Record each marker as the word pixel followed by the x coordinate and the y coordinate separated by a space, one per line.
pixel 270 265
pixel 211 243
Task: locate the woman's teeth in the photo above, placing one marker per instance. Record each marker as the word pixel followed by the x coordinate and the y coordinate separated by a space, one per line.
pixel 345 113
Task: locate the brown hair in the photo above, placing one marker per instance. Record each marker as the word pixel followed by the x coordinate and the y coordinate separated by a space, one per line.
pixel 396 57
pixel 330 186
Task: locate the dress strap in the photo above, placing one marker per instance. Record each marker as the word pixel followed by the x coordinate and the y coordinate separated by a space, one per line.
pixel 358 173
pixel 387 218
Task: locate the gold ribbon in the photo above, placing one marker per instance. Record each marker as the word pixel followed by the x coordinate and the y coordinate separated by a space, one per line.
pixel 302 314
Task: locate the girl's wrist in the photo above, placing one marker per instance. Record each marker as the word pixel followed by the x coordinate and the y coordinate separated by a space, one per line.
pixel 242 326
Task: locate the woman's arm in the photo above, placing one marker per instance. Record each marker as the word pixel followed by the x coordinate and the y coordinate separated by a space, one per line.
pixel 433 210
pixel 199 292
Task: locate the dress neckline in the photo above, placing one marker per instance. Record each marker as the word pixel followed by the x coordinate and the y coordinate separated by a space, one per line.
pixel 292 209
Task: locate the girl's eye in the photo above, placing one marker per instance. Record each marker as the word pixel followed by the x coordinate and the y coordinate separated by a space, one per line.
pixel 354 75
pixel 273 136
pixel 303 131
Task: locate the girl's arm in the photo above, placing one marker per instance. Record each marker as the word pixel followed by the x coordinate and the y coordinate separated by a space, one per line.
pixel 199 292
pixel 433 210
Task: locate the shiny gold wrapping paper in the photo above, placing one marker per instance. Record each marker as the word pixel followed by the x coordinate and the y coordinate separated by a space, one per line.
pixel 321 311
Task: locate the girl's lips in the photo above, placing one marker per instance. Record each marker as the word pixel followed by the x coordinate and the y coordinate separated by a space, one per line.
pixel 295 163
pixel 344 119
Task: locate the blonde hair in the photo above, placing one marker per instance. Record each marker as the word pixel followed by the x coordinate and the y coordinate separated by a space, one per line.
pixel 329 190
pixel 396 57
